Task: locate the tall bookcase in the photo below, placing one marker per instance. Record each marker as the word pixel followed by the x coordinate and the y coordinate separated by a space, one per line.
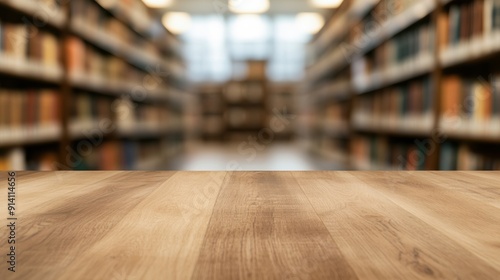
pixel 212 111
pixel 88 84
pixel 245 102
pixel 408 85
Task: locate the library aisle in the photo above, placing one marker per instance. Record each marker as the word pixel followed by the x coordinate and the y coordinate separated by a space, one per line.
pixel 275 157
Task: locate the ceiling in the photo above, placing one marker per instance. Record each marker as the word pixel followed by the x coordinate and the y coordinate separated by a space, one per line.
pixel 220 6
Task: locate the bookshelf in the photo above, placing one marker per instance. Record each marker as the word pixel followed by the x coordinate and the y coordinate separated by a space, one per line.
pixel 245 99
pixel 281 109
pixel 88 84
pixel 212 111
pixel 413 85
pixel 329 88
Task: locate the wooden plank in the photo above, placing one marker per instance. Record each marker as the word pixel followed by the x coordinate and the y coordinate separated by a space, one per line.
pixel 160 238
pixel 380 239
pixel 488 191
pixel 36 190
pixel 256 225
pixel 263 227
pixel 52 235
pixel 472 224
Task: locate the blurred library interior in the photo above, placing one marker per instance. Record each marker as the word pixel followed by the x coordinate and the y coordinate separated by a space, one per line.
pixel 249 84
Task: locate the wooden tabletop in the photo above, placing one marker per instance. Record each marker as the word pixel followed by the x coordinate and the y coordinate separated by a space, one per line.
pixel 254 225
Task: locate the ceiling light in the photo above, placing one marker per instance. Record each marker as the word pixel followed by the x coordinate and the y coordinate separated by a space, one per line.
pixel 249 6
pixel 155 4
pixel 176 22
pixel 310 22
pixel 249 28
pixel 326 3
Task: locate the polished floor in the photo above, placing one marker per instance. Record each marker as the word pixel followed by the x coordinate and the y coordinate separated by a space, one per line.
pixel 203 156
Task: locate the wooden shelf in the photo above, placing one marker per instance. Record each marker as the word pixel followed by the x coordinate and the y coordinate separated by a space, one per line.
pixel 30 69
pixel 62 23
pixel 140 25
pixel 395 25
pixel 421 65
pixel 337 91
pixel 332 63
pixel 477 49
pixel 101 39
pixel 79 129
pixel 333 31
pixel 470 130
pixel 53 16
pixel 20 136
pixel 419 126
pixel 101 85
pixel 480 53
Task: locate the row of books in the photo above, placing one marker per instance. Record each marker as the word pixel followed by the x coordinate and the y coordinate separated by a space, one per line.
pixel 406 106
pixel 373 152
pixel 415 42
pixel 86 61
pixel 456 156
pixel 212 106
pixel 466 20
pixel 12 159
pixel 155 115
pixel 244 92
pixel 133 10
pixel 89 12
pixel 25 108
pixel 90 107
pixel 239 117
pixel 382 13
pixel 21 42
pixel 124 155
pixel 20 159
pixel 370 152
pixel 471 99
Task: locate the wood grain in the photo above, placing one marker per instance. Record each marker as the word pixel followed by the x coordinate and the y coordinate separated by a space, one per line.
pixel 263 227
pixel 255 225
pixel 379 238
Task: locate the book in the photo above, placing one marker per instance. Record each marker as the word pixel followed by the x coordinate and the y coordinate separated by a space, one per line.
pixel 377 152
pixel 401 106
pixel 448 157
pixel 451 90
pixel 16 41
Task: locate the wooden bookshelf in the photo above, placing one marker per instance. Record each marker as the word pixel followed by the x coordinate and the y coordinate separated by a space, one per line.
pixel 282 109
pixel 127 63
pixel 45 13
pixel 330 89
pixel 245 103
pixel 212 108
pixel 409 101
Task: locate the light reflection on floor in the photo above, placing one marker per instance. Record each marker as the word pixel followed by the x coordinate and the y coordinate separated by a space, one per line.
pixel 228 156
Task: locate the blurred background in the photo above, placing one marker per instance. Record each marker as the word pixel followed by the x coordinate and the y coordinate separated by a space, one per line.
pixel 249 84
